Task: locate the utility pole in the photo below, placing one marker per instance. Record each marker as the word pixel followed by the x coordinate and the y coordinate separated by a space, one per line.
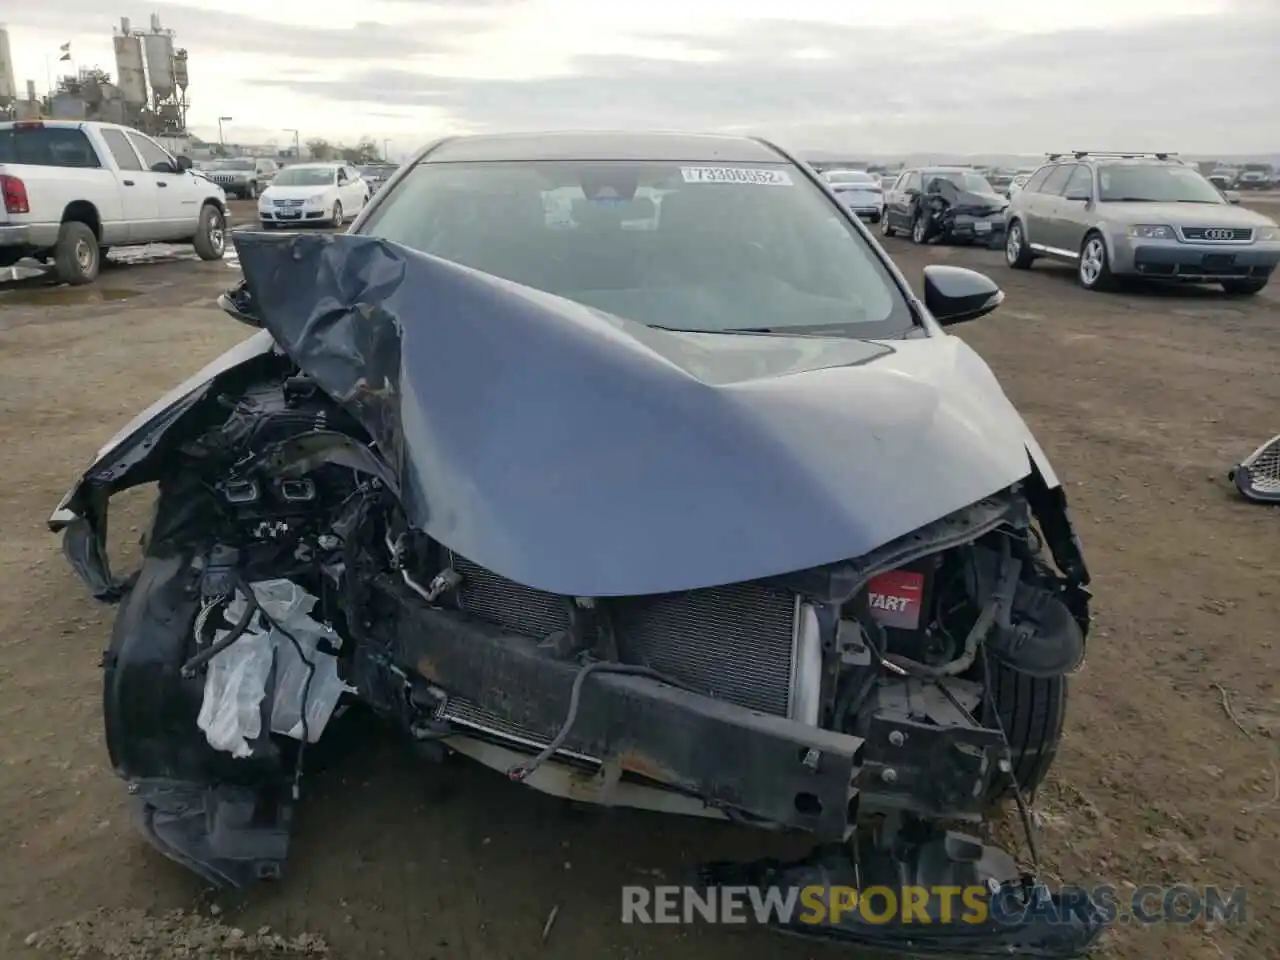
pixel 221 142
pixel 386 151
pixel 297 147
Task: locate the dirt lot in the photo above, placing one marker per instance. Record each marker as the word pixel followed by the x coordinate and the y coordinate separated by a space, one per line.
pixel 1169 771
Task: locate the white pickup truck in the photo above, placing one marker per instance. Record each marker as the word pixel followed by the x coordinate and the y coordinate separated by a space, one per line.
pixel 72 189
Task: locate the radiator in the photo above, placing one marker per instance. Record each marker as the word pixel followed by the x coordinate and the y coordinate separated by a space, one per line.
pixel 734 642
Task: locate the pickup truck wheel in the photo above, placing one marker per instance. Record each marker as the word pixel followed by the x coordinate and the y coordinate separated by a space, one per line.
pixel 1245 288
pixel 211 235
pixel 76 259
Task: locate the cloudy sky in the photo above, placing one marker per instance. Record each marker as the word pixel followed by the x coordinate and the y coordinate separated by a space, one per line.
pixel 873 76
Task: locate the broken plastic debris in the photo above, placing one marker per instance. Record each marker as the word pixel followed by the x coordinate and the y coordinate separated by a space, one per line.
pixel 236 683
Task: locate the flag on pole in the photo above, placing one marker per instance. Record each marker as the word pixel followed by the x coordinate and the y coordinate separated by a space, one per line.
pixel 66 47
pixel 65 56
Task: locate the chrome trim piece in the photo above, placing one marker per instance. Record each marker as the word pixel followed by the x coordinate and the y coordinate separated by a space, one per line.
pixel 804 698
pixel 1216 234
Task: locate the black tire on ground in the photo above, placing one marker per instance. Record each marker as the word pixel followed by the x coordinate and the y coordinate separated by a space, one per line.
pixel 339 218
pixel 1032 711
pixel 1016 252
pixel 919 228
pixel 1089 277
pixel 252 192
pixel 76 258
pixel 1243 288
pixel 211 235
pixel 886 228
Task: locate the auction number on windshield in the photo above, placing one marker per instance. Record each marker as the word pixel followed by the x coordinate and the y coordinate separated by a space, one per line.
pixel 764 178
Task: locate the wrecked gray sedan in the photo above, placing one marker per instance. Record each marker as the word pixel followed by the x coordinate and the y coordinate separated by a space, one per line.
pixel 627 465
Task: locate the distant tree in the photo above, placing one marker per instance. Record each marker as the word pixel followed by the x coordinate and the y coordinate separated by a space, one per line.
pixel 365 151
pixel 321 149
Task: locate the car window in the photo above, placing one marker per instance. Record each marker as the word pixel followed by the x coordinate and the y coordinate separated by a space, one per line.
pixel 153 155
pixel 304 177
pixel 39 145
pixel 1080 181
pixel 697 247
pixel 1057 179
pixel 914 181
pixel 118 144
pixel 1037 179
pixel 1155 183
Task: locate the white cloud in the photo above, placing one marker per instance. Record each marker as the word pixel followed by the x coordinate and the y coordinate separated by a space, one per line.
pixel 902 75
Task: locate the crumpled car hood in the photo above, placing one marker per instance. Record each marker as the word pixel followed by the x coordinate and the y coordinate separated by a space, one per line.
pixel 589 455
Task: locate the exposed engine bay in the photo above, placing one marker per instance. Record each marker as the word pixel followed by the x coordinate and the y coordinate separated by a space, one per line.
pixel 882 704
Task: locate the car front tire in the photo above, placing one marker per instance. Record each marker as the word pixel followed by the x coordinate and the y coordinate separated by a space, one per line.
pixel 211 236
pixel 1016 252
pixel 1243 288
pixel 1094 268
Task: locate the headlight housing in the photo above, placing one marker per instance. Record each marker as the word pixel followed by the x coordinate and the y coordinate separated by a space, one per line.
pixel 1268 233
pixel 1150 231
pixel 318 198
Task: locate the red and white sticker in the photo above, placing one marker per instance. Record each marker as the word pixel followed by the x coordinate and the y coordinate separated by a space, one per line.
pixel 896 598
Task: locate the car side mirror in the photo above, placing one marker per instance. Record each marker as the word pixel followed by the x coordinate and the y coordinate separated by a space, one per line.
pixel 184 163
pixel 237 303
pixel 1082 195
pixel 1232 196
pixel 958 295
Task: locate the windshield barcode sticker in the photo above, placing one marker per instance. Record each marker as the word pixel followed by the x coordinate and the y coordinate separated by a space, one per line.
pixel 764 178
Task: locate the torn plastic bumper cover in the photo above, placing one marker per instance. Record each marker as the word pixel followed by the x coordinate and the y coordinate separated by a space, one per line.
pixel 1257 477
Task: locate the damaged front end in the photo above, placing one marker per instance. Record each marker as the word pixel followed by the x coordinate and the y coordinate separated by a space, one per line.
pixel 327 533
pixel 959 215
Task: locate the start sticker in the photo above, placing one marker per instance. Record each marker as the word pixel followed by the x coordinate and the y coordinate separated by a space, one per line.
pixel 753 176
pixel 896 598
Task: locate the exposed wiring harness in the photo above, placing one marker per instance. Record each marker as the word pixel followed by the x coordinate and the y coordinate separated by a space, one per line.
pixel 524 769
pixel 201 659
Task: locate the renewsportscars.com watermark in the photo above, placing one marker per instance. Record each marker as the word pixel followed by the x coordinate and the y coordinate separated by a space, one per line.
pixel 819 905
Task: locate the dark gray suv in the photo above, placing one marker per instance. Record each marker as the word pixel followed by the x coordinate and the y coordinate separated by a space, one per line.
pixel 1116 215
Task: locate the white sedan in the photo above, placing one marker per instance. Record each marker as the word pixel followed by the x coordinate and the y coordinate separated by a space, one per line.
pixel 327 193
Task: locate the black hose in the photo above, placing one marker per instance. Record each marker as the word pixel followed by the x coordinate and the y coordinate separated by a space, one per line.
pixel 193 666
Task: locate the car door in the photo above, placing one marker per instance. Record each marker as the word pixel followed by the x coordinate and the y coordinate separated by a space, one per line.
pixel 355 190
pixel 908 189
pixel 179 200
pixel 138 192
pixel 1039 206
pixel 1070 216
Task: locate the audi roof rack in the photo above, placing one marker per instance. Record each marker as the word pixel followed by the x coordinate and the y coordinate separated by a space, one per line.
pixel 1113 154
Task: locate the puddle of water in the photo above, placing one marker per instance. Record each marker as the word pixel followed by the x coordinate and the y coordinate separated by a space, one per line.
pixel 66 296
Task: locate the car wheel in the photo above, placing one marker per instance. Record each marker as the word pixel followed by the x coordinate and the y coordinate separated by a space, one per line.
pixel 1243 288
pixel 211 235
pixel 1016 252
pixel 1031 712
pixel 252 192
pixel 919 228
pixel 338 218
pixel 886 228
pixel 1094 272
pixel 76 258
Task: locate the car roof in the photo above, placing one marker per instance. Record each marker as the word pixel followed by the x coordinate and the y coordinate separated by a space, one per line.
pixel 660 146
pixel 322 165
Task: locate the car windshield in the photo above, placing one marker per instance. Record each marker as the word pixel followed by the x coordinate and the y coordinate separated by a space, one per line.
pixel 961 179
pixel 229 165
pixel 305 176
pixel 850 176
pixel 723 248
pixel 377 172
pixel 1152 183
